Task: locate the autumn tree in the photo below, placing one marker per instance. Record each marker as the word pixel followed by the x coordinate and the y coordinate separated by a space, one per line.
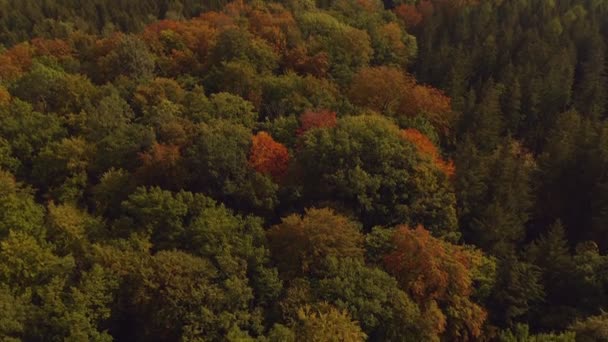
pixel 162 165
pixel 435 272
pixel 268 157
pixel 391 91
pixel 319 119
pixel 426 147
pixel 5 96
pixel 380 88
pixel 409 14
pixel 300 244
pixel 429 102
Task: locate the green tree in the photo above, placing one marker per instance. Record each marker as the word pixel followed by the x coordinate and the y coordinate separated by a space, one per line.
pixel 19 211
pixel 217 162
pixel 373 298
pixel 594 328
pixel 357 164
pixel 327 324
pixel 495 195
pixel 130 58
pixel 300 244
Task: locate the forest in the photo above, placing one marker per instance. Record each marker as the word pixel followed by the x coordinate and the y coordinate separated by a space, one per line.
pixel 304 170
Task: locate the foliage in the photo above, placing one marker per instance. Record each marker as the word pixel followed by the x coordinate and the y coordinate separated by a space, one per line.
pixel 301 243
pixel 268 157
pixel 357 163
pixel 435 272
pixel 327 324
pixel 181 170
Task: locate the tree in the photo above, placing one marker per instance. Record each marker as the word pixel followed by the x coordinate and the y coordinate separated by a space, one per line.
pixel 300 244
pixel 320 119
pixel 197 224
pixel 435 272
pixel 268 157
pixel 521 332
pixel 37 280
pixel 71 230
pixel 219 279
pixel 348 48
pixel 19 212
pixel 373 298
pixel 218 165
pixel 426 147
pixel 234 44
pixel 409 14
pixel 429 102
pixel 5 96
pixel 172 287
pixel 593 328
pixel 111 113
pixel 162 165
pixel 7 161
pixel 518 289
pixel 49 88
pixel 327 324
pixel 571 178
pixel 495 195
pixel 390 91
pixel 393 45
pixel 28 131
pixel 284 129
pixel 380 88
pixel 232 108
pixel 131 57
pixel 356 164
pixel 113 188
pixel 61 168
pixel 551 254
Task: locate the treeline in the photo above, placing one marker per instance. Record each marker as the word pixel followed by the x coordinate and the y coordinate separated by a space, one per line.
pixel 292 172
pixel 21 20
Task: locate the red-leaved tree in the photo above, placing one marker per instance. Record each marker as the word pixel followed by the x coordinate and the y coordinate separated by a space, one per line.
pixel 319 119
pixel 268 156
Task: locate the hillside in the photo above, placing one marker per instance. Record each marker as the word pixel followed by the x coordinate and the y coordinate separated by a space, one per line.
pixel 300 170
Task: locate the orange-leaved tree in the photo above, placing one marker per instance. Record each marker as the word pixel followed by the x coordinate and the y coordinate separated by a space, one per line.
pixel 15 61
pixel 438 274
pixel 429 101
pixel 268 156
pixel 5 96
pixel 391 91
pixel 380 88
pixel 425 147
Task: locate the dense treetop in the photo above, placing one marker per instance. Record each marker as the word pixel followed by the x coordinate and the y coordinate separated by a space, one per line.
pixel 300 170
